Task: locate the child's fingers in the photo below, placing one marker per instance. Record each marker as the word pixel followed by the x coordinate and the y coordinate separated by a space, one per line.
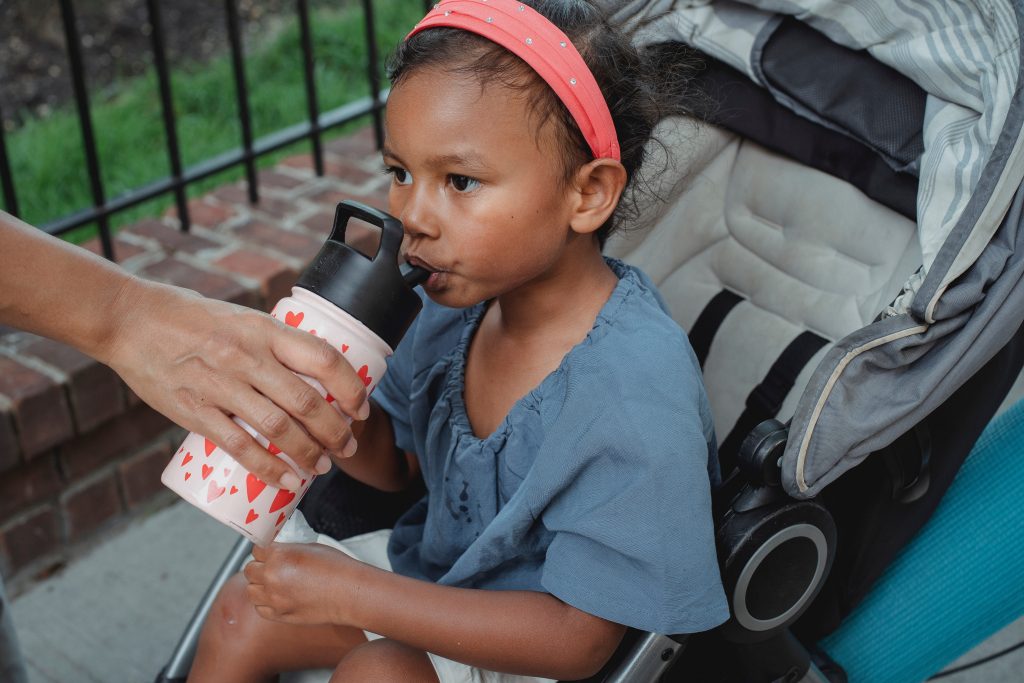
pixel 253 572
pixel 260 553
pixel 257 596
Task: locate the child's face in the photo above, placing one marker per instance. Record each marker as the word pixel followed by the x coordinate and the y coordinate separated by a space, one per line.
pixel 479 188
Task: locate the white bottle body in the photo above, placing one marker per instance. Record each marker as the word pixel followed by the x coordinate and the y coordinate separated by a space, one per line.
pixel 212 480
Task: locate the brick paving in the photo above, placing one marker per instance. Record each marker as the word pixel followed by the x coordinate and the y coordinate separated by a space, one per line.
pixel 79 454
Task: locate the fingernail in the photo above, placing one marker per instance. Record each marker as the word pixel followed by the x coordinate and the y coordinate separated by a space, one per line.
pixel 350 449
pixel 364 411
pixel 290 481
pixel 323 465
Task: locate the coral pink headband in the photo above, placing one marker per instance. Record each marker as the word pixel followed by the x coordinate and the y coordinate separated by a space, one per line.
pixel 531 37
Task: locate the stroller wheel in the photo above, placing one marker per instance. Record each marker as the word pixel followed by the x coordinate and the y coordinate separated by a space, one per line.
pixel 777 557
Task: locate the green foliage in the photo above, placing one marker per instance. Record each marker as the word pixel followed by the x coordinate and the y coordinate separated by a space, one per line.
pixel 48 160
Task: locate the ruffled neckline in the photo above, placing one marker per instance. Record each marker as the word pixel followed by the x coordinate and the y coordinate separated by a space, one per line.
pixel 532 400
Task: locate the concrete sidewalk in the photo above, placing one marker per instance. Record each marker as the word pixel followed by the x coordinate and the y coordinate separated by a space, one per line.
pixel 114 615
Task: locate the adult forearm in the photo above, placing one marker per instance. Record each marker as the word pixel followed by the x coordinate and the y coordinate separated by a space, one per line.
pixel 56 289
pixel 521 632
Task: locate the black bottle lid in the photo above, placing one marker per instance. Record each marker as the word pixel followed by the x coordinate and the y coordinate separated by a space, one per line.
pixel 375 291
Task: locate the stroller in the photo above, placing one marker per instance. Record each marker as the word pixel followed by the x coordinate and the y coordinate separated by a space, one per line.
pixel 838 241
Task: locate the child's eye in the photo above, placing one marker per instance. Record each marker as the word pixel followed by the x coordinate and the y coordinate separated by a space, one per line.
pixel 463 183
pixel 401 176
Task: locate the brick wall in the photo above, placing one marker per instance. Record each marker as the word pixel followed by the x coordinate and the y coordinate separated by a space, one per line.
pixel 79 453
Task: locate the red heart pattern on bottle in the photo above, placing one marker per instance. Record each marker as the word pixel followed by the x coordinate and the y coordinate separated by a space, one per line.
pixel 206 471
pixel 363 375
pixel 282 498
pixel 233 491
pixel 280 519
pixel 293 319
pixel 254 486
pixel 213 492
pixel 344 348
pixel 187 475
pixel 274 450
pixel 186 459
pixel 251 517
pixel 209 446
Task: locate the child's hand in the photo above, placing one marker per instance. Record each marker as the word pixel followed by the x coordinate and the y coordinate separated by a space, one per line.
pixel 299 583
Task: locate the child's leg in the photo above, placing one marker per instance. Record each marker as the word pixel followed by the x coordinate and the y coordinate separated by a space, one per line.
pixel 237 644
pixel 385 660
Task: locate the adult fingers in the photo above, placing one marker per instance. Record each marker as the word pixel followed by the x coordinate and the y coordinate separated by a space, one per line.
pixel 292 399
pixel 281 429
pixel 225 433
pixel 314 357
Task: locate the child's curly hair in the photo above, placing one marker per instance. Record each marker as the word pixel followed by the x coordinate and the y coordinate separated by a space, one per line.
pixel 638 94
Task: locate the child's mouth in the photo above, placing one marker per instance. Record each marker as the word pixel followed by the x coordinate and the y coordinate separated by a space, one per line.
pixel 438 276
pixel 436 281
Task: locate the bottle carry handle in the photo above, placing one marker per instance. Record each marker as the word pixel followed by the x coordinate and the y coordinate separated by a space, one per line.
pixel 391 231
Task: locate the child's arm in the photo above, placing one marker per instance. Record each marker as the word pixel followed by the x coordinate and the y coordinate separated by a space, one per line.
pixel 377 461
pixel 514 631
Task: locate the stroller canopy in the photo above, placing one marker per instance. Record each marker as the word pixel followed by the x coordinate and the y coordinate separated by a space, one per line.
pixel 966 299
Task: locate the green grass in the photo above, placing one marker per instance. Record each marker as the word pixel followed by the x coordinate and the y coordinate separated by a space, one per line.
pixel 48 160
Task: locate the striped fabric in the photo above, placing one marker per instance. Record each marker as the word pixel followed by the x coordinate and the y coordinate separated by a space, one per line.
pixel 964 53
pixel 964 299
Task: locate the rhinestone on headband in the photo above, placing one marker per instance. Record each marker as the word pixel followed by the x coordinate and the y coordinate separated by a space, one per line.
pixel 529 41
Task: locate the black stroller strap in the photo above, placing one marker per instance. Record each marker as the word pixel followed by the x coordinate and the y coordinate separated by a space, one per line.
pixel 708 322
pixel 766 399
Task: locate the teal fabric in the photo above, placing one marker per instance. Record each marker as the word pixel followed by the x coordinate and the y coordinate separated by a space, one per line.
pixel 958 581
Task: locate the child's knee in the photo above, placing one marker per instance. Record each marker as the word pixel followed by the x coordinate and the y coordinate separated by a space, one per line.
pixel 384 660
pixel 232 618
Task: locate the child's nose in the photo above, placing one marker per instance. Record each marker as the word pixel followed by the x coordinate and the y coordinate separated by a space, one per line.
pixel 418 215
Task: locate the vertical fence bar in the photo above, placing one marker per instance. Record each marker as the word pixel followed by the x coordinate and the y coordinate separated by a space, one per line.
pixel 6 176
pixel 311 101
pixel 85 121
pixel 167 106
pixel 242 92
pixel 373 76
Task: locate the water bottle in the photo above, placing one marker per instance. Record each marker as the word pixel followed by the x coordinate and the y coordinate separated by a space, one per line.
pixel 361 306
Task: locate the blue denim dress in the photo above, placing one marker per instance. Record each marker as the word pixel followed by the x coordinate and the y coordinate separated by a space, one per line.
pixel 595 488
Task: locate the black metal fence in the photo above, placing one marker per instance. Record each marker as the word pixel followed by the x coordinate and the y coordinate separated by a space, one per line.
pixel 246 155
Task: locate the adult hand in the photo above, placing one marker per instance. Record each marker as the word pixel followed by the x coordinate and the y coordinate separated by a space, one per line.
pixel 199 361
pixel 301 583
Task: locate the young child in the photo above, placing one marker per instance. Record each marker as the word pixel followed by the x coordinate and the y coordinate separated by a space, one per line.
pixel 550 404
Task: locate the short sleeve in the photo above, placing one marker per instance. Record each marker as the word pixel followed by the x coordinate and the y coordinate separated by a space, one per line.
pixel 633 539
pixel 393 391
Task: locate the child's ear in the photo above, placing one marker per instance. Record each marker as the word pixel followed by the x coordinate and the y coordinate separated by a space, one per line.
pixel 598 186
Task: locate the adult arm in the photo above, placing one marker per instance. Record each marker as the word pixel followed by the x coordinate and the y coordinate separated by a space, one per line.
pixel 196 360
pixel 523 632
